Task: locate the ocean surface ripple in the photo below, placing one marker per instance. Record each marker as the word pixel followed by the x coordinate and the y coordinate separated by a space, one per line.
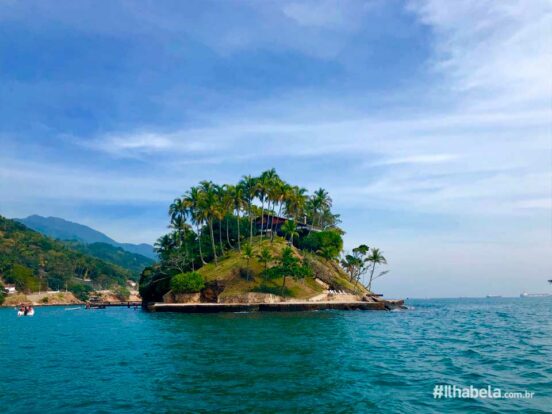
pixel 120 360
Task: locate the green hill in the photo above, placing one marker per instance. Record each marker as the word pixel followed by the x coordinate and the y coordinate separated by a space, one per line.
pixel 133 262
pixel 230 274
pixel 260 235
pixel 229 271
pixel 61 229
pixel 35 262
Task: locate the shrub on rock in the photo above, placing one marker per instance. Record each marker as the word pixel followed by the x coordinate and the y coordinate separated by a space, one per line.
pixel 190 282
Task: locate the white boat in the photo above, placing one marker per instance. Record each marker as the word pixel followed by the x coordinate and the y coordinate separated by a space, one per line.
pixel 30 312
pixel 535 295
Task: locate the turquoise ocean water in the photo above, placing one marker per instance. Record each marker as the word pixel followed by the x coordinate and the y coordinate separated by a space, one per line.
pixel 124 361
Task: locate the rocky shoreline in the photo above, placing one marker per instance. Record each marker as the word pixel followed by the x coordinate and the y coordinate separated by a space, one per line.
pixel 65 299
pixel 292 306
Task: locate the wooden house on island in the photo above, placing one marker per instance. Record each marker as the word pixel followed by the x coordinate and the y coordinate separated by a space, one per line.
pixel 272 222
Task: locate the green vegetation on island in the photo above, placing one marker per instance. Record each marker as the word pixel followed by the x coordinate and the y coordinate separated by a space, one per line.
pixel 261 235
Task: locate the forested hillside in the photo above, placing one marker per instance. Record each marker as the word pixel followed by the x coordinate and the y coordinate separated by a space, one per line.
pixel 62 229
pixel 133 262
pixel 34 262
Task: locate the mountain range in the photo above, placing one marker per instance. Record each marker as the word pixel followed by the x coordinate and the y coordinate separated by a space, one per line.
pixel 62 229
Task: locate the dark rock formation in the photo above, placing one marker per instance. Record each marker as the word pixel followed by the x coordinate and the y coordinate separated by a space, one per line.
pixel 211 291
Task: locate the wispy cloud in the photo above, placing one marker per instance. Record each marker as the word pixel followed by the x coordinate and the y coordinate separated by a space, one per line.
pixel 417 159
pixel 498 53
pixel 132 144
pixel 330 14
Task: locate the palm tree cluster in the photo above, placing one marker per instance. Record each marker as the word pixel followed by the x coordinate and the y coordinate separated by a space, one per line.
pixel 209 218
pixel 364 260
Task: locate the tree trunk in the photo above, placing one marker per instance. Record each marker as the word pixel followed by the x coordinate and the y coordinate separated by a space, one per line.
pixel 213 241
pixel 220 238
pixel 250 225
pixel 228 235
pixel 199 242
pixel 357 279
pixel 268 216
pixel 279 212
pixel 371 276
pixel 186 250
pixel 262 218
pixel 283 286
pixel 239 242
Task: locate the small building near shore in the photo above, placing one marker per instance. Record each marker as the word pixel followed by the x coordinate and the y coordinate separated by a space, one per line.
pixel 10 289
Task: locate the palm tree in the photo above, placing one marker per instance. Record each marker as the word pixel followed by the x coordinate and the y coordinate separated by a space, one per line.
pixel 328 219
pixel 327 253
pixel 164 245
pixel 177 209
pixel 321 201
pixel 350 264
pixel 289 265
pixel 375 258
pixel 264 184
pixel 191 202
pixel 290 230
pixel 220 211
pixel 238 200
pixel 247 254
pixel 208 209
pixel 265 257
pixel 276 195
pixel 284 191
pixel 178 223
pixel 295 202
pixel 249 186
pixel 228 197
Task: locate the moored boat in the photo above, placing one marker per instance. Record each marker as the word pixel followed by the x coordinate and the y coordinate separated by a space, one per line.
pixel 535 295
pixel 25 310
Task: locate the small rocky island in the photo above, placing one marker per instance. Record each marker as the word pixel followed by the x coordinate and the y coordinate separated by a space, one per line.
pixel 260 245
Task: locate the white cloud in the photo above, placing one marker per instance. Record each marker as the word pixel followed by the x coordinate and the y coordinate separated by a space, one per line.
pixel 417 159
pixel 496 52
pixel 40 182
pixel 535 203
pixel 142 143
pixel 329 14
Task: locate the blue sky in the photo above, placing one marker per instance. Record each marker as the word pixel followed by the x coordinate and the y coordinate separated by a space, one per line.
pixel 429 122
